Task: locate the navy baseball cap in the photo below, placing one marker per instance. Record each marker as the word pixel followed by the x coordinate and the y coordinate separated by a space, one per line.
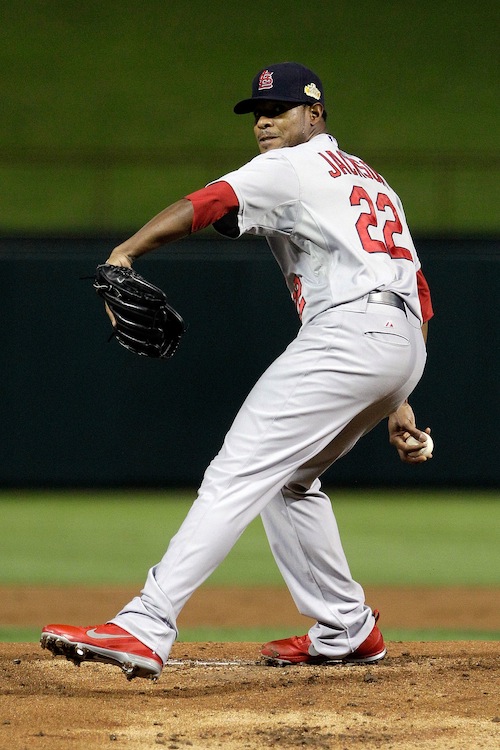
pixel 283 82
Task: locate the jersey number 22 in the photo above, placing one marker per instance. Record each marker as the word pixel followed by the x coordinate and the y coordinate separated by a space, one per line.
pixel 370 218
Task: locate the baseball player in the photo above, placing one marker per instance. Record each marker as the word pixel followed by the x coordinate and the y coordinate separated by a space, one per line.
pixel 339 234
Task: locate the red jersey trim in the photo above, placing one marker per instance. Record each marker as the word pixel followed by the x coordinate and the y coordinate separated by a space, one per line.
pixel 424 295
pixel 211 203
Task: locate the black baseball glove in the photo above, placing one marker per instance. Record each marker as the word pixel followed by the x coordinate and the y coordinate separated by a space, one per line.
pixel 144 322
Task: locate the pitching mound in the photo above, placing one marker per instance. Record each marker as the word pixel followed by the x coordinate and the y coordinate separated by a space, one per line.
pixel 430 696
pixel 212 695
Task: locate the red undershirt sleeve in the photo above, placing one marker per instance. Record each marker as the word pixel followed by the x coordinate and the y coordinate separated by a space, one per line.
pixel 211 203
pixel 424 295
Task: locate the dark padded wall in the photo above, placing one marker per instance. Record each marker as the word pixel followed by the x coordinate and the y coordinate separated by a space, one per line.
pixel 78 411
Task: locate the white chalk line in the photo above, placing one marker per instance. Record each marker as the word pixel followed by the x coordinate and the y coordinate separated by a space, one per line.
pixel 212 663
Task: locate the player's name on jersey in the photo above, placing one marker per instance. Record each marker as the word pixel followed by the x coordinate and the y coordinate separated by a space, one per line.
pixel 343 164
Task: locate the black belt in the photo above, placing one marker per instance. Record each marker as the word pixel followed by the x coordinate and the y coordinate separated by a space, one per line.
pixel 386 298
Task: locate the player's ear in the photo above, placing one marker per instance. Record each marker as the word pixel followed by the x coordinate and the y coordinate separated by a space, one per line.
pixel 316 111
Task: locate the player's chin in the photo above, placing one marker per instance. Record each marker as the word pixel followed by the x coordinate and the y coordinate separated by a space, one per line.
pixel 268 144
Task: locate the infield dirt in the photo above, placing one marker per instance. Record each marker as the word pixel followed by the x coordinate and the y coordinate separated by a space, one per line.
pixel 434 696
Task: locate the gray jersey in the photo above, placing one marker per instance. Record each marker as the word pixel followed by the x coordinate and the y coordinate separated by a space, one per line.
pixel 336 228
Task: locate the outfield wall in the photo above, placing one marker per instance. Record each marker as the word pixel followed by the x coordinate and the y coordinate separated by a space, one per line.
pixel 78 411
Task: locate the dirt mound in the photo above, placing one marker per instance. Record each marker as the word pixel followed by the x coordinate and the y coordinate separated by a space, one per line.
pixel 430 696
pixel 423 695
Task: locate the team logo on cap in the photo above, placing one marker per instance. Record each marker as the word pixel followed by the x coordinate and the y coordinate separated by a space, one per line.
pixel 265 80
pixel 312 90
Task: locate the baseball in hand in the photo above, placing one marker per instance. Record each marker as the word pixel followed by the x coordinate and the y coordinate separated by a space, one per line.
pixel 425 450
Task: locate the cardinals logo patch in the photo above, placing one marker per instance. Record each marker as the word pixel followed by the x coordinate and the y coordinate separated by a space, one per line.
pixel 265 80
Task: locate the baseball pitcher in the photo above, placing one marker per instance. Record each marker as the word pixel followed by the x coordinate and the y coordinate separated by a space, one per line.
pixel 339 234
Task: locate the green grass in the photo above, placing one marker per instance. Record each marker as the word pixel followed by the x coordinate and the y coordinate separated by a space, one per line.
pixel 426 538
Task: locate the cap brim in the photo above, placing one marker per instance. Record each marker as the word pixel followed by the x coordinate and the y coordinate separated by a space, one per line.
pixel 248 105
pixel 244 107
